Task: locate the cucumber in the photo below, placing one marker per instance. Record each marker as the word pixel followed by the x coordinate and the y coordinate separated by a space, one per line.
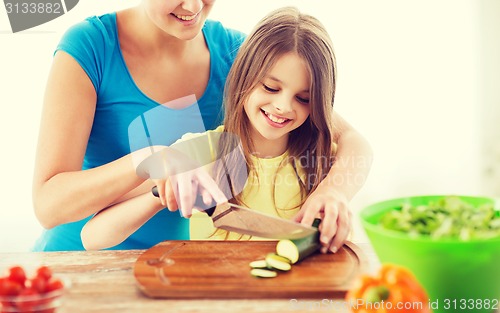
pixel 260 272
pixel 287 253
pixel 258 264
pixel 278 262
pixel 298 249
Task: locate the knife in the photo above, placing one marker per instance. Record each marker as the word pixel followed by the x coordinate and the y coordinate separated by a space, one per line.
pixel 236 218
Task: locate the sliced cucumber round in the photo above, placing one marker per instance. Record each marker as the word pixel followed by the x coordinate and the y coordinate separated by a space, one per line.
pixel 260 272
pixel 278 262
pixel 286 248
pixel 258 264
pixel 299 249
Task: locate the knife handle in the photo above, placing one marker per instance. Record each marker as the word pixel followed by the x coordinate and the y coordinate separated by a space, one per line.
pixel 198 202
pixel 316 222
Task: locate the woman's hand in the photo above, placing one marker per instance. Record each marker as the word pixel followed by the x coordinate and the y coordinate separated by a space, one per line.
pixel 332 207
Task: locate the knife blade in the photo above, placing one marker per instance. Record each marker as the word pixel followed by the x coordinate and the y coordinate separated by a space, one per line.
pixel 242 220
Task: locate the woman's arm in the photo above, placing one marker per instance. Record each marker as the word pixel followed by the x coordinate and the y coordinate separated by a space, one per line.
pixel 346 177
pixel 113 225
pixel 62 192
pixel 353 159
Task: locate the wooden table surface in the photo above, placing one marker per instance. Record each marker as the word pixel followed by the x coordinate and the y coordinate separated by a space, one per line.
pixel 103 281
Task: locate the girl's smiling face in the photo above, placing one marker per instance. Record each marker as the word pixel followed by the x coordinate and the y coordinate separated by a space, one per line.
pixel 278 104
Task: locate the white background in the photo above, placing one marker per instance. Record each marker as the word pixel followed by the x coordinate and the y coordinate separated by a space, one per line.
pixel 417 78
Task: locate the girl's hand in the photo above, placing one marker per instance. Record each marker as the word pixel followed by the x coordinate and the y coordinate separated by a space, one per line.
pixel 166 194
pixel 184 188
pixel 332 207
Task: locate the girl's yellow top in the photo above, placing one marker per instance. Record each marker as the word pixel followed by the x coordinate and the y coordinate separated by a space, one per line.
pixel 272 189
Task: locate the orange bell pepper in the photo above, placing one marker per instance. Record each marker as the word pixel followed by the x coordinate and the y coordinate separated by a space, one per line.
pixel 393 290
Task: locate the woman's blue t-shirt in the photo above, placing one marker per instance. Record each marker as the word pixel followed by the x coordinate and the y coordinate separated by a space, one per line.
pixel 126 119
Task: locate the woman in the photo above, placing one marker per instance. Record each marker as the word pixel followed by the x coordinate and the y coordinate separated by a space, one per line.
pixel 108 73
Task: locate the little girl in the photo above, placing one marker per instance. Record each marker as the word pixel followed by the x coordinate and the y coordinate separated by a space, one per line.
pixel 279 102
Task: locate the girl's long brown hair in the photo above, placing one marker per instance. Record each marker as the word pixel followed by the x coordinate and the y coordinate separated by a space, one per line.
pixel 310 146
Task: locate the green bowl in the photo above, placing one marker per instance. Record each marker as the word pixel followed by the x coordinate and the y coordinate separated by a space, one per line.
pixel 459 276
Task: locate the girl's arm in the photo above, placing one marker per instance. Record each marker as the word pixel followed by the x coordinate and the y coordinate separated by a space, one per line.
pixel 116 223
pixel 113 225
pixel 62 192
pixel 346 177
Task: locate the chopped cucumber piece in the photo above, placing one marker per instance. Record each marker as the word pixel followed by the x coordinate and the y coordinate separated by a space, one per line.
pixel 259 272
pixel 288 252
pixel 288 249
pixel 258 264
pixel 298 249
pixel 278 262
pixel 274 256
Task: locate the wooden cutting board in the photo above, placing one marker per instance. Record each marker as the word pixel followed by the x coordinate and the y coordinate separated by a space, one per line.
pixel 219 269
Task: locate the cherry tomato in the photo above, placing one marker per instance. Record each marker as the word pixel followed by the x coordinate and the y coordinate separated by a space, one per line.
pixel 17 274
pixel 44 272
pixel 54 284
pixel 39 284
pixel 9 287
pixel 2 282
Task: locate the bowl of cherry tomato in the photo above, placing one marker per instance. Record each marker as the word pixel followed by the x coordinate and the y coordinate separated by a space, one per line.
pixel 36 291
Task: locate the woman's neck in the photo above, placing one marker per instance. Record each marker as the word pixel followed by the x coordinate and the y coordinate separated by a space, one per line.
pixel 148 38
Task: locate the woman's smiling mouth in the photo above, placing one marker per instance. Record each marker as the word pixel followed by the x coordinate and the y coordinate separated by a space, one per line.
pixel 185 17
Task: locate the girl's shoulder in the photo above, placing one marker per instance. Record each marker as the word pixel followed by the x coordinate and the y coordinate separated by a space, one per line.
pixel 222 38
pixel 188 136
pixel 219 129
